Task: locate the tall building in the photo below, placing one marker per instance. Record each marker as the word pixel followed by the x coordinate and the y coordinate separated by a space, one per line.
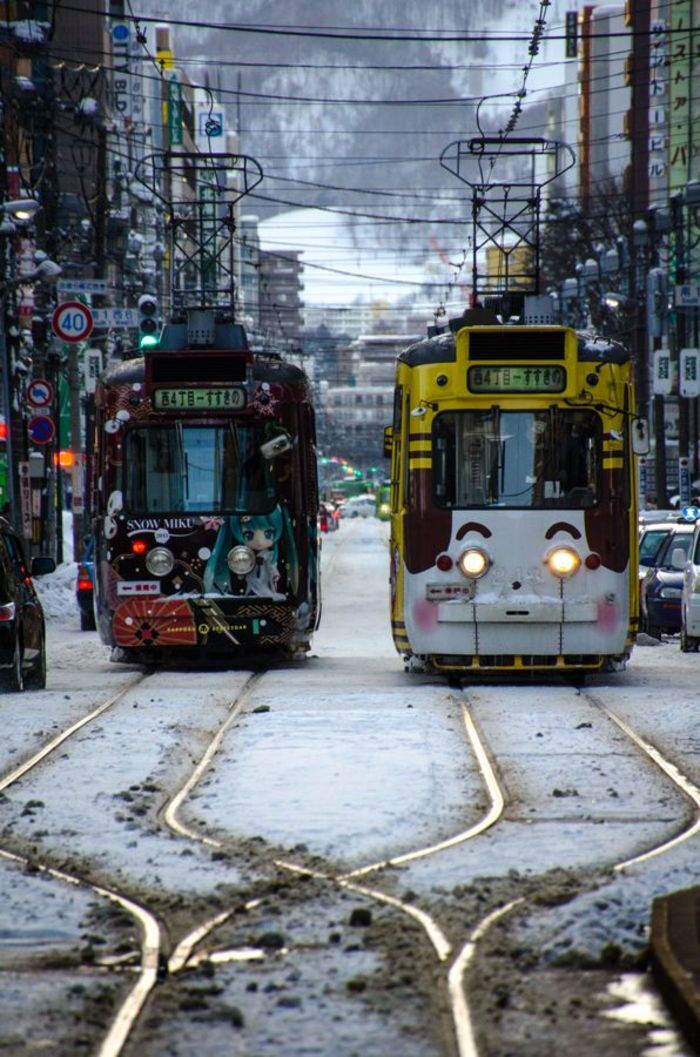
pixel 249 277
pixel 281 306
pixel 356 411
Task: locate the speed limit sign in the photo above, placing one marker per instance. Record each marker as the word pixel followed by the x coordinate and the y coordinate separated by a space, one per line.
pixel 72 321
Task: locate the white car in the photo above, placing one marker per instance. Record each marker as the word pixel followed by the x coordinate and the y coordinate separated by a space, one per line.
pixel 361 506
pixel 690 597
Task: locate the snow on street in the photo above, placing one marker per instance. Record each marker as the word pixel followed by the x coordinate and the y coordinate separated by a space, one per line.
pixel 323 768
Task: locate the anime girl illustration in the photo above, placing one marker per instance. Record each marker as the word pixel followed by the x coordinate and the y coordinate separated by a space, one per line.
pixel 262 533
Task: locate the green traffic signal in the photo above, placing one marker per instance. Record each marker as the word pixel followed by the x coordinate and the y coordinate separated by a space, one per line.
pixel 148 341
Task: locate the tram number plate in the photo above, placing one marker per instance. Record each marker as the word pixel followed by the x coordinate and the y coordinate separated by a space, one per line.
pixel 515 378
pixel 211 398
pixel 449 592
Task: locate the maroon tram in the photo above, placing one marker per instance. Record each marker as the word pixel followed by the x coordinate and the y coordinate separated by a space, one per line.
pixel 206 499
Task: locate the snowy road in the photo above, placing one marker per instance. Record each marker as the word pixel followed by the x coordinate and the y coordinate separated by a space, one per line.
pixel 295 862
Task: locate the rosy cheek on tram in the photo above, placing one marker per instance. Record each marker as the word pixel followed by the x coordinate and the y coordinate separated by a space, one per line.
pixel 425 614
pixel 608 615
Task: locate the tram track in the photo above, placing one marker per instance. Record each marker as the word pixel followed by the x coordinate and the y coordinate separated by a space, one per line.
pixel 352 880
pixel 680 781
pixel 151 947
pixel 455 957
pixel 464 1015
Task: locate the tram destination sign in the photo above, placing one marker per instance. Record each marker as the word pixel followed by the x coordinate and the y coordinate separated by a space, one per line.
pixel 516 378
pixel 199 398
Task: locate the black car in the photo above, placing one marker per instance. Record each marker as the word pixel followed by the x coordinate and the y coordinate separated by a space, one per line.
pixel 22 632
pixel 661 588
pixel 85 587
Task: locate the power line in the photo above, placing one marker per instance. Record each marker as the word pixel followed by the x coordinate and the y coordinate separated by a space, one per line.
pixel 495 37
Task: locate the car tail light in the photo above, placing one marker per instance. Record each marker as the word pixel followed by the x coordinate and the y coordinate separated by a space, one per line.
pixel 7 611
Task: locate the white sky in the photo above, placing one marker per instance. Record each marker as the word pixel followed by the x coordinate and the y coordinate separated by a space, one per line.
pixel 324 238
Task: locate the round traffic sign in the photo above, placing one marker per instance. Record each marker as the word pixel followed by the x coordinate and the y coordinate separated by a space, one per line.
pixel 72 321
pixel 41 429
pixel 39 392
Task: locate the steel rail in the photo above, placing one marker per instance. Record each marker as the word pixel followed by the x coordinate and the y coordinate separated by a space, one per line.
pixel 132 1005
pixel 171 809
pixel 681 781
pixel 464 1029
pixel 180 958
pixel 183 954
pixel 54 743
pixel 492 815
pixel 461 1017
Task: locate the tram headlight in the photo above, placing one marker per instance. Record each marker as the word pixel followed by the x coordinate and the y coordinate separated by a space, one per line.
pixel 563 561
pixel 160 561
pixel 241 560
pixel 474 562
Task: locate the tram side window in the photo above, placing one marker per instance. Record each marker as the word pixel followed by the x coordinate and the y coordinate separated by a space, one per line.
pixel 190 469
pixel 531 459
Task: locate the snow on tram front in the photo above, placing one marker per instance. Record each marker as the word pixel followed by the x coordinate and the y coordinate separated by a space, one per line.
pixel 206 499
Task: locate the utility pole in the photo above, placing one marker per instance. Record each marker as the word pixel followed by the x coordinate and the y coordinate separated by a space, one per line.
pixel 76 447
pixel 640 18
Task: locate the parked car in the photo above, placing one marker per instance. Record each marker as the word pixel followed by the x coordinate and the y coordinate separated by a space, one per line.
pixel 660 590
pixel 22 629
pixel 653 536
pixel 361 506
pixel 647 516
pixel 85 587
pixel 690 597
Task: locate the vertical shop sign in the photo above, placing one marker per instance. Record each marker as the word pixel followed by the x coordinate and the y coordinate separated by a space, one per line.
pixel 174 110
pixel 679 92
pixel 121 72
pixel 25 499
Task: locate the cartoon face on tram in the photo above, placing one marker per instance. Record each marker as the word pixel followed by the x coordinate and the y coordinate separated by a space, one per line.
pixel 206 499
pixel 514 503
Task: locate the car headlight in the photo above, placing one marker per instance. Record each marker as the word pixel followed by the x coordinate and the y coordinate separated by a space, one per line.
pixel 563 561
pixel 670 592
pixel 474 562
pixel 241 560
pixel 160 561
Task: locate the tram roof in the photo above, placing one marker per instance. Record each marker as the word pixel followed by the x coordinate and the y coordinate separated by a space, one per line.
pixel 266 368
pixel 592 348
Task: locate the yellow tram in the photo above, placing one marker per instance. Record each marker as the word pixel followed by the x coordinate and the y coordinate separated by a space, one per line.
pixel 514 500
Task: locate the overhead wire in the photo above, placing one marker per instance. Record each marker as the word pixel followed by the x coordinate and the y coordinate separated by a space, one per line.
pixel 379 36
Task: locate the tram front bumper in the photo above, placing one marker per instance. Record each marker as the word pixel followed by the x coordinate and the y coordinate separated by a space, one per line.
pixel 527 627
pixel 221 624
pixel 554 612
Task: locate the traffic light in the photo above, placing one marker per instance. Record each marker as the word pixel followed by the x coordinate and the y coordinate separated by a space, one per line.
pixel 148 321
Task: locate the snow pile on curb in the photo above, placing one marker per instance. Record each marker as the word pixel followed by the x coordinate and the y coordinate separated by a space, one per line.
pixel 57 592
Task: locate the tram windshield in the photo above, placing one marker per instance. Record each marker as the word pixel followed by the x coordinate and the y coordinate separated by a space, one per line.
pixel 188 468
pixel 532 459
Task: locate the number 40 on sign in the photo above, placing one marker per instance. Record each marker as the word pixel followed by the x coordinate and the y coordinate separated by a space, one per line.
pixel 72 321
